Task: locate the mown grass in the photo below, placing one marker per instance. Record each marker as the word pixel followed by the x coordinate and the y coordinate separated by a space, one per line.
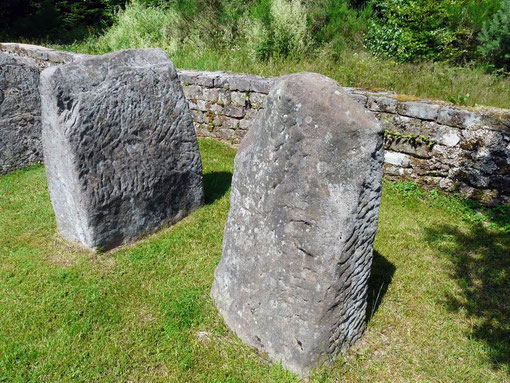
pixel 439 308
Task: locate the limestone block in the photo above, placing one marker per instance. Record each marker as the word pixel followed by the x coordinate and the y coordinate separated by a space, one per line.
pixel 417 109
pixel 448 136
pixel 231 123
pixel 261 84
pixel 257 100
pixel 120 150
pixel 188 77
pixel 206 79
pixel 239 98
pixel 234 111
pixel 193 92
pixel 382 104
pixel 239 82
pixel 297 252
pixel 397 159
pixel 456 117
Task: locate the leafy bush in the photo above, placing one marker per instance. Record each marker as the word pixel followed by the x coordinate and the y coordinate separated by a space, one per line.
pixel 138 26
pixel 414 30
pixel 275 28
pixel 495 39
pixel 289 27
pixel 339 24
pixel 410 30
pixel 58 20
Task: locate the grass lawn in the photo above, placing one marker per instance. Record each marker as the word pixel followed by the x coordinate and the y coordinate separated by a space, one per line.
pixel 439 295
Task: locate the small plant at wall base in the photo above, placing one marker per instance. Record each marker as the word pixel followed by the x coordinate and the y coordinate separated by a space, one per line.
pixel 461 99
pixel 413 139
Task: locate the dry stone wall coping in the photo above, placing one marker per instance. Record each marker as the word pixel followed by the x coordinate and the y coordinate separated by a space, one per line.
pixel 20 111
pixel 44 57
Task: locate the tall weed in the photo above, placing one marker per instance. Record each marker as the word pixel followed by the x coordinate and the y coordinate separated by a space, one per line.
pixel 138 26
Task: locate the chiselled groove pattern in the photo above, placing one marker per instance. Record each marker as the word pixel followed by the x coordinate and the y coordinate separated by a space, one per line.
pixel 118 132
pixel 358 250
pixel 298 241
pixel 20 109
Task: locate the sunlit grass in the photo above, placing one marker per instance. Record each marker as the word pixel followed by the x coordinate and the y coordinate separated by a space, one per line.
pixel 439 295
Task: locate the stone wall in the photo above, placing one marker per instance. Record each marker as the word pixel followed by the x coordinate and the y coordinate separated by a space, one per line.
pixel 430 142
pixel 42 56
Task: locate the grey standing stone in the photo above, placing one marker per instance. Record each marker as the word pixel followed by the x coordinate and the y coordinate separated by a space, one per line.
pixel 120 150
pixel 20 113
pixel 297 252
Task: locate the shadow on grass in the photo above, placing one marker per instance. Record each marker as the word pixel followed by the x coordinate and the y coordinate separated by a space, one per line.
pixel 481 259
pixel 380 279
pixel 216 185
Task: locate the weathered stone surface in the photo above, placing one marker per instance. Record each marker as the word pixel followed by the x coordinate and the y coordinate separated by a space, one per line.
pixel 261 84
pixel 460 118
pixel 382 104
pixel 397 159
pixel 418 109
pixel 297 252
pixel 359 98
pixel 209 95
pixel 120 149
pixel 20 113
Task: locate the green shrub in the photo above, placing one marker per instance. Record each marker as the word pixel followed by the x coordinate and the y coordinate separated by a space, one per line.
pixel 275 28
pixel 139 26
pixel 337 24
pixel 415 30
pixel 495 39
pixel 410 30
pixel 289 27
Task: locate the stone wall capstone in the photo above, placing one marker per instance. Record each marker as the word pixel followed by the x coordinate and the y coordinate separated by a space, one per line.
pixel 298 245
pixel 43 57
pixel 433 143
pixel 120 150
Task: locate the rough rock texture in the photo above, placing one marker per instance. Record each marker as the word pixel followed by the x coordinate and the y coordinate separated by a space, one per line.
pixel 297 252
pixel 120 151
pixel 20 113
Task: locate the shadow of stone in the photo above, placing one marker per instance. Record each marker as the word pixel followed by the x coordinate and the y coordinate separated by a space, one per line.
pixel 481 259
pixel 216 185
pixel 380 279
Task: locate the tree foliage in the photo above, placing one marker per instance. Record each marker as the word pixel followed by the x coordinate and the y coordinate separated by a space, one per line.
pixel 414 30
pixel 495 39
pixel 56 20
pixel 458 31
